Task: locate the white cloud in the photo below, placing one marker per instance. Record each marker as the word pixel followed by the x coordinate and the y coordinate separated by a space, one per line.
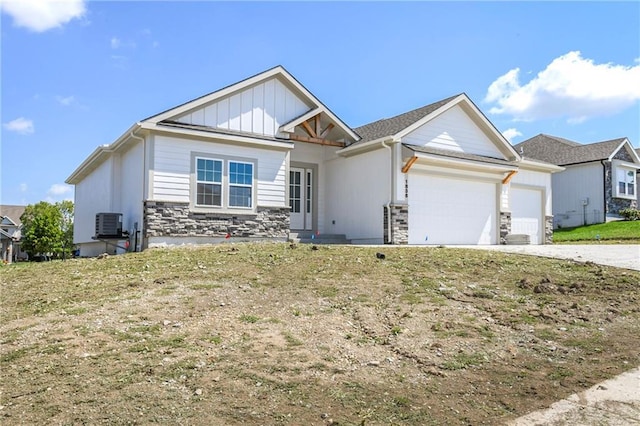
pixel 570 87
pixel 43 15
pixel 511 133
pixel 20 125
pixel 115 42
pixel 23 187
pixel 66 101
pixel 59 192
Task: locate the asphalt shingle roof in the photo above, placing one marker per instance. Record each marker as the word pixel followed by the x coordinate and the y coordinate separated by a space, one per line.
pixel 562 152
pixel 12 212
pixel 393 125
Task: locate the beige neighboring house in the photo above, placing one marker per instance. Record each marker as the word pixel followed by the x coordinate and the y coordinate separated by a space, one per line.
pixel 10 233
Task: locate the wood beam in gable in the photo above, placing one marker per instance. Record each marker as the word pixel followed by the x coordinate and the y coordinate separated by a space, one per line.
pixel 320 141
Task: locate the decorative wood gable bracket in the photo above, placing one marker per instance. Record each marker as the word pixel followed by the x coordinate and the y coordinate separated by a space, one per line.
pixel 315 132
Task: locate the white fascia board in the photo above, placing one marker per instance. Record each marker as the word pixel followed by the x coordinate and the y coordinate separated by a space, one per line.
pixel 319 104
pixel 188 106
pixel 365 146
pixel 429 117
pixel 539 166
pixel 100 154
pixel 290 126
pixel 634 154
pixel 460 163
pixel 218 137
pixel 626 164
pixel 488 126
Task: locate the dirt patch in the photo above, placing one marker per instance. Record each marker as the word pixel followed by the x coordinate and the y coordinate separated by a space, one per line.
pixel 270 334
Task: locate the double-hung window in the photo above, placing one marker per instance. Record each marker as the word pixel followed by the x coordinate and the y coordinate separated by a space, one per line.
pixel 240 184
pixel 208 182
pixel 626 182
pixel 223 182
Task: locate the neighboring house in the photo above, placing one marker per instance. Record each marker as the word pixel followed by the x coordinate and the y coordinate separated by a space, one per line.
pixel 264 157
pixel 10 233
pixel 599 178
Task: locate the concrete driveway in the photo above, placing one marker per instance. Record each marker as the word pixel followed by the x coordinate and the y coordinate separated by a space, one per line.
pixel 619 255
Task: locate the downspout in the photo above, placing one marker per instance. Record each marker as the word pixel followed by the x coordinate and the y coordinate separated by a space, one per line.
pixel 604 190
pixel 144 183
pixel 391 184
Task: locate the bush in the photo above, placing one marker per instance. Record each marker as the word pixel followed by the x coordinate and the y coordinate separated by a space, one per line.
pixel 630 214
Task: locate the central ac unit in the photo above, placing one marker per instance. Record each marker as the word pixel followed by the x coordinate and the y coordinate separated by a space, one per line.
pixel 108 225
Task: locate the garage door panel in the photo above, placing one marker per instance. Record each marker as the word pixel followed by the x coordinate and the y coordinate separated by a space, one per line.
pixel 444 210
pixel 526 213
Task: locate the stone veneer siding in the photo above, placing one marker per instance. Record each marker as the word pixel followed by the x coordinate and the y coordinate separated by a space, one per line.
pixel 399 224
pixel 614 205
pixel 174 219
pixel 548 229
pixel 505 226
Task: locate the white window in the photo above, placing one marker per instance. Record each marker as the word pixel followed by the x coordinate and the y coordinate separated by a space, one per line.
pixel 208 182
pixel 625 182
pixel 240 184
pixel 223 183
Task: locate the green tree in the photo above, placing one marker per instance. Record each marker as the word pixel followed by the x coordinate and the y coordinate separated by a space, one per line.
pixel 66 225
pixel 47 228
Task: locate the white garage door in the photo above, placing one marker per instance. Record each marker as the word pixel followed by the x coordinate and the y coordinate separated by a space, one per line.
pixel 526 213
pixel 446 210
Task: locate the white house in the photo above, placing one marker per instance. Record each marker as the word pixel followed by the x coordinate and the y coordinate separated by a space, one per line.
pixel 264 157
pixel 598 179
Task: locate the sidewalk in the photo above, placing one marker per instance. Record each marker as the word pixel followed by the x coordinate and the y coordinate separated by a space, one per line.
pixel 613 402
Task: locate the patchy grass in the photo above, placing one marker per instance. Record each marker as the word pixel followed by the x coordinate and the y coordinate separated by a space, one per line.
pixel 627 232
pixel 279 334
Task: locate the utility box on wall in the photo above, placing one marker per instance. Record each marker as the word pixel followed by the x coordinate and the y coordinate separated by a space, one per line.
pixel 109 225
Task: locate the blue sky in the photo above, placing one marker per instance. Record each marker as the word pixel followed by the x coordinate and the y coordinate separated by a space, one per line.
pixel 78 74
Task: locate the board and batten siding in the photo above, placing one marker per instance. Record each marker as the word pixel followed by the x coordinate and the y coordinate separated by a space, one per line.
pixel 570 187
pixel 92 195
pixel 453 130
pixel 172 169
pixel 260 109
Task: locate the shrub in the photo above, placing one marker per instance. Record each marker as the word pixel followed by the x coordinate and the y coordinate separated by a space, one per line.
pixel 630 214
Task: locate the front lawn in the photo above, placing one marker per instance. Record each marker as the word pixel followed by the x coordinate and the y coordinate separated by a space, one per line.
pixel 624 231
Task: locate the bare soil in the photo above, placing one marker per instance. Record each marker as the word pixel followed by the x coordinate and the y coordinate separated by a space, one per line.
pixel 314 335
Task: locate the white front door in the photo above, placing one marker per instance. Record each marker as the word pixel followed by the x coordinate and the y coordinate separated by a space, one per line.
pixel 301 198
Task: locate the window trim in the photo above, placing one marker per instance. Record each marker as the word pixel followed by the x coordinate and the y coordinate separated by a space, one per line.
pixel 241 185
pixel 615 181
pixel 225 206
pixel 221 183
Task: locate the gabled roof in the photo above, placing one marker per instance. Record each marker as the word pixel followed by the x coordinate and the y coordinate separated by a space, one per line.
pixel 393 125
pixel 395 128
pixel 563 152
pixel 277 71
pixel 12 213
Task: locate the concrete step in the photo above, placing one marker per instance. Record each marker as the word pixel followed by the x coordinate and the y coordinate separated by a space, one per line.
pixel 518 239
pixel 309 237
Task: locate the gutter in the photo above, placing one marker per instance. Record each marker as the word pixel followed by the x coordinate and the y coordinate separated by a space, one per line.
pixel 391 182
pixel 604 189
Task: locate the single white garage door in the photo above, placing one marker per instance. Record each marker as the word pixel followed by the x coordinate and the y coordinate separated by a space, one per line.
pixel 526 213
pixel 449 210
